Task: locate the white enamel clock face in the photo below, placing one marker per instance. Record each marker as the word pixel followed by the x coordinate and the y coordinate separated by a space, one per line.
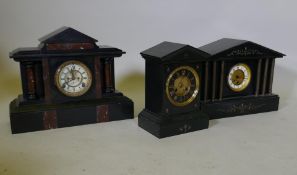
pixel 73 78
pixel 239 77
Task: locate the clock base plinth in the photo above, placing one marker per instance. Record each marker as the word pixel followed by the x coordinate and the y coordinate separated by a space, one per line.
pixel 184 123
pixel 241 106
pixel 35 117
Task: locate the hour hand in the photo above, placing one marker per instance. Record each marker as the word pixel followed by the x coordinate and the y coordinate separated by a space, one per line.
pixel 72 74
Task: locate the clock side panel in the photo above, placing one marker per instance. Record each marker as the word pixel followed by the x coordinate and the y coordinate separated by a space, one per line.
pixel 250 89
pixel 154 89
pixel 58 96
pixel 168 108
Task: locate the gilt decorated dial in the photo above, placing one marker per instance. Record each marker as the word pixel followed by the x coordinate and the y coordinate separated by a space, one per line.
pixel 182 86
pixel 73 78
pixel 239 77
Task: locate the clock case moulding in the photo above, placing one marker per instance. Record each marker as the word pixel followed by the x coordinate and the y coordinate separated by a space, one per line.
pixel 42 106
pixel 215 98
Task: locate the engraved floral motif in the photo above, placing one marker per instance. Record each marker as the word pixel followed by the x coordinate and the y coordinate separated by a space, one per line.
pixel 185 128
pixel 241 108
pixel 245 52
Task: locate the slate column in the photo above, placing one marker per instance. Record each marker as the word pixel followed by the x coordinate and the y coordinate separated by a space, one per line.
pixel 109 75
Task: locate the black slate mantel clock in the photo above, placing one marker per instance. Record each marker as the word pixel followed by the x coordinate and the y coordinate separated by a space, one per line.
pixel 68 80
pixel 173 89
pixel 238 78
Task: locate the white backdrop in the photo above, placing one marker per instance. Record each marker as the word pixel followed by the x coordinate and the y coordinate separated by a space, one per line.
pixel 135 25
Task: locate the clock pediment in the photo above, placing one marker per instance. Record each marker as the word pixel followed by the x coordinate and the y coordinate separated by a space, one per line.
pixel 250 49
pixel 174 52
pixel 238 48
pixel 65 42
pixel 244 51
pixel 66 35
pixel 188 53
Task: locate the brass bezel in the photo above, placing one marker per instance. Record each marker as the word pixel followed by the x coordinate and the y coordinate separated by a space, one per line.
pixel 197 80
pixel 248 80
pixel 73 94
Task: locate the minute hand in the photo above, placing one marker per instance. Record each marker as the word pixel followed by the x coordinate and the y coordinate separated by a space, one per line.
pixel 72 74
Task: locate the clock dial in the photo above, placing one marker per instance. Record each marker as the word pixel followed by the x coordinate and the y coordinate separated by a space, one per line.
pixel 182 86
pixel 239 77
pixel 73 78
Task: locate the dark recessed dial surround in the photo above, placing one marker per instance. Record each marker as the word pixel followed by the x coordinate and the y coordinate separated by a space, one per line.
pixel 239 77
pixel 73 78
pixel 182 86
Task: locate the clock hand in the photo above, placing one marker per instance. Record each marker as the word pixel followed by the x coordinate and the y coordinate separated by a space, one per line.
pixel 72 74
pixel 68 80
pixel 185 83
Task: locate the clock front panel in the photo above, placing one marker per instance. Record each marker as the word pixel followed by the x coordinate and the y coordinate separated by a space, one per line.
pixel 239 78
pixel 72 78
pixel 182 88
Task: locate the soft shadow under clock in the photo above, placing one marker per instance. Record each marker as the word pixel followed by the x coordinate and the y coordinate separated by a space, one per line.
pixel 213 122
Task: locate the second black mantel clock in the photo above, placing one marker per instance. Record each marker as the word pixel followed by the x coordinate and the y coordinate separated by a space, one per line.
pixel 68 80
pixel 173 76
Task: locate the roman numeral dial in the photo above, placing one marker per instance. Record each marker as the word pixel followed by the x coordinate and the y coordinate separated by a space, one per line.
pixel 73 78
pixel 239 77
pixel 182 86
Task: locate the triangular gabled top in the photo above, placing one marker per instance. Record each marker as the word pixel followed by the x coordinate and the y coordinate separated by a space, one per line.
pixel 225 44
pixel 164 49
pixel 67 35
